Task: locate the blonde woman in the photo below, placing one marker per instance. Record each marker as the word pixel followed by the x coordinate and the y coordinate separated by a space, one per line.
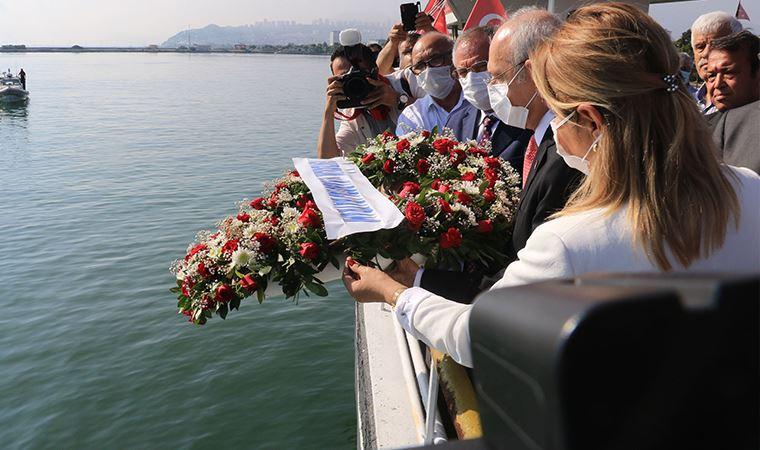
pixel 656 199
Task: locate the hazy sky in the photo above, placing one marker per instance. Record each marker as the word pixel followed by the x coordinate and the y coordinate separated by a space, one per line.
pixel 141 22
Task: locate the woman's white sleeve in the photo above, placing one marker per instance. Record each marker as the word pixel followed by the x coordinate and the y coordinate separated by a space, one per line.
pixel 440 323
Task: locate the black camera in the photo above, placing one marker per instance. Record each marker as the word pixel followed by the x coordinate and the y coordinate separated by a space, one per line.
pixel 356 87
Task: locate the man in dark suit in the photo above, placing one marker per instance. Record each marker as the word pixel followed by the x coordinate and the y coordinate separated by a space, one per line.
pixel 733 78
pixel 548 181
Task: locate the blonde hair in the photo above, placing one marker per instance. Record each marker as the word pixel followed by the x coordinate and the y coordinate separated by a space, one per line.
pixel 656 155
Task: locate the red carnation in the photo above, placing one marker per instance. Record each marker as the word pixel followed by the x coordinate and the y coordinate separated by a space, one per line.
pixel 423 166
pixel 224 294
pixel 403 145
pixel 273 220
pixel 301 202
pixel 280 186
pixel 309 218
pixel 295 173
pixel 309 250
pixel 248 283
pixel 389 166
pixel 491 175
pixel 266 242
pixel 243 217
pixel 425 134
pixel 195 250
pixel 436 184
pixel 368 158
pixel 457 156
pixel 492 162
pixel 203 271
pixel 311 205
pixel 257 203
pixel 488 195
pixel 272 202
pixel 387 135
pixel 469 176
pixel 478 151
pixel 445 207
pixel 443 145
pixel 415 214
pixel 410 188
pixel 450 239
pixel 485 226
pixel 462 197
pixel 230 246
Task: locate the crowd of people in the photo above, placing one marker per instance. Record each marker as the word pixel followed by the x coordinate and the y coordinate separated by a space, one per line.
pixel 625 165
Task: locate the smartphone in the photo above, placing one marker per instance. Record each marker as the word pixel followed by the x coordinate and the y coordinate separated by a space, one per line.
pixel 409 13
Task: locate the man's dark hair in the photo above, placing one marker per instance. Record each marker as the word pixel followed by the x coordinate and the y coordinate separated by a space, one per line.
pixel 742 41
pixel 354 54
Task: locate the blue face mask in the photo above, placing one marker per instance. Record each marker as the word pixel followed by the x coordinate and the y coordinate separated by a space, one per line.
pixel 685 74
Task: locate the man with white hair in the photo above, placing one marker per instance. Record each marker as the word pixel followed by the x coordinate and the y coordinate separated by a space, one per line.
pixel 706 28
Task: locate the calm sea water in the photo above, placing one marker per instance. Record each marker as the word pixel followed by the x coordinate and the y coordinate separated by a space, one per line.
pixel 105 177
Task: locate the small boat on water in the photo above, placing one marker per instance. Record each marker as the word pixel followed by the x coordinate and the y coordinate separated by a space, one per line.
pixel 11 89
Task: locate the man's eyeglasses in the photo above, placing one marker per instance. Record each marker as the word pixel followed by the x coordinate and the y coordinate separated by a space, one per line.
pixel 439 60
pixel 461 72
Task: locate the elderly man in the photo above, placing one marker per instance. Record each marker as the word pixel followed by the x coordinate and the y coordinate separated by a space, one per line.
pixel 733 80
pixel 549 180
pixel 471 69
pixel 704 30
pixel 444 105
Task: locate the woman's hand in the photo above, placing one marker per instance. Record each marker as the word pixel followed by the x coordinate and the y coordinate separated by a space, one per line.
pixel 366 284
pixel 383 94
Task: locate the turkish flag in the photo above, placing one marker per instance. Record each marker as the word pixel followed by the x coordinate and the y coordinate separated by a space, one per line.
pixel 486 12
pixel 438 10
pixel 741 13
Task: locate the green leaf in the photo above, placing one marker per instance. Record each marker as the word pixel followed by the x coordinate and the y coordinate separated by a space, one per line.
pixel 317 289
pixel 260 295
pixel 222 311
pixel 175 290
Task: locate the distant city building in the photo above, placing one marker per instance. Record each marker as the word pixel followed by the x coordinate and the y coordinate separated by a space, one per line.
pixel 241 47
pixel 333 38
pixel 13 47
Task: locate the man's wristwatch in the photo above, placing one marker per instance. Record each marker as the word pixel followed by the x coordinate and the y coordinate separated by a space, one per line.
pixel 403 99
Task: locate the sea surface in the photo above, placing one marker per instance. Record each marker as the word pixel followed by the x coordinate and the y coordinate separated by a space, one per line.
pixel 106 175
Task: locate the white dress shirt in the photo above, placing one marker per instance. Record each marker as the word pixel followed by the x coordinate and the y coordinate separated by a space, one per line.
pixel 573 245
pixel 426 114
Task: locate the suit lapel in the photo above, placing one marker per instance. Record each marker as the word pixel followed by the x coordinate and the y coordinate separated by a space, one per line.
pixel 540 158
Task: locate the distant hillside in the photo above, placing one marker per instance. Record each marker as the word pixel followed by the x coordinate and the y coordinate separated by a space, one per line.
pixel 274 33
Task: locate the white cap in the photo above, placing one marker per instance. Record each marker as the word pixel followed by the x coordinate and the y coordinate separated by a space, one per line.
pixel 350 36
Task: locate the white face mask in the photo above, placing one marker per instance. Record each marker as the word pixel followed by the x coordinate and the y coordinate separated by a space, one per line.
pixel 577 163
pixel 475 89
pixel 436 81
pixel 516 116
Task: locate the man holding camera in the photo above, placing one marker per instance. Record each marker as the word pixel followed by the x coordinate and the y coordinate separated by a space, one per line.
pixel 360 98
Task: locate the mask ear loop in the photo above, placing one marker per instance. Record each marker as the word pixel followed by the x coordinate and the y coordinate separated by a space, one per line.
pixel 593 147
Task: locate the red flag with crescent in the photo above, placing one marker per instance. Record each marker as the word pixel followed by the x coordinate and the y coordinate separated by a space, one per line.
pixel 741 13
pixel 486 12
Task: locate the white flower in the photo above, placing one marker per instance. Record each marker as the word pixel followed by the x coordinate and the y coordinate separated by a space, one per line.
pixel 242 257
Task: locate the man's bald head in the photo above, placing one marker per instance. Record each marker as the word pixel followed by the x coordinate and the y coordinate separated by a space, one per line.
pixel 431 44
